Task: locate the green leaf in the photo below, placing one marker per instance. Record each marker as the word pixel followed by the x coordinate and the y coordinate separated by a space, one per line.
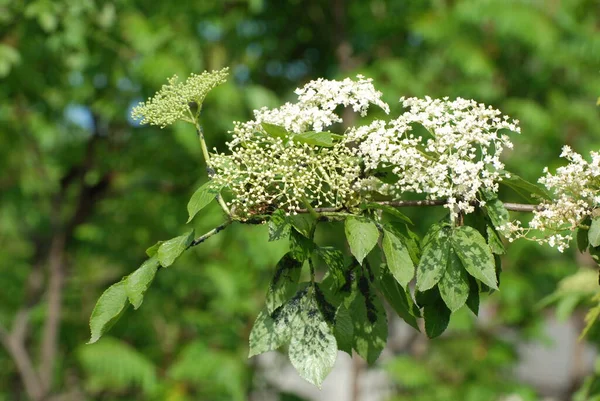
pixel 582 237
pixel 284 283
pixel 108 310
pixel 389 210
pixel 475 255
pixel 494 241
pixel 315 138
pixel 398 259
pixel 334 259
pixel 275 130
pixel 139 281
pixel 592 316
pixel 454 284
pixel 266 334
pixel 362 235
pixel 278 226
pixel 202 197
pixel 313 348
pixel 370 323
pixel 437 317
pixel 525 188
pixel 303 223
pixel 300 246
pixel 473 300
pixel 153 249
pixel 344 330
pixel 496 211
pixel 594 233
pixel 171 249
pixel 434 259
pixel 399 299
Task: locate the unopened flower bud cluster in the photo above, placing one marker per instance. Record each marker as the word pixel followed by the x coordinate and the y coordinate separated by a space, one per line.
pixel 457 156
pixel 265 172
pixel 576 189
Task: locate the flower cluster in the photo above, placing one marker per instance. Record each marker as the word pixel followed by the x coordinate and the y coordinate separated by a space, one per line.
pixel 172 102
pixel 456 158
pixel 576 189
pixel 266 171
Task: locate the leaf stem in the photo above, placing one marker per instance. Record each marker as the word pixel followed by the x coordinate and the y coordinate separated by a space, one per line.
pixel 210 233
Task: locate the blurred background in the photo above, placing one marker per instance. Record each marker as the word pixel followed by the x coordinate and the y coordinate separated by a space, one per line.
pixel 84 191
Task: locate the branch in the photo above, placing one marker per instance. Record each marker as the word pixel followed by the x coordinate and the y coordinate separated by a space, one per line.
pixel 209 234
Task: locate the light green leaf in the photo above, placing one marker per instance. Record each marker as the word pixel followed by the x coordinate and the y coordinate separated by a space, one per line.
pixel 344 330
pixel 139 281
pixel 153 249
pixel 475 255
pixel 594 233
pixel 398 259
pixel 266 334
pixel 370 323
pixel 437 317
pixel 496 211
pixel 454 284
pixel 278 226
pixel 315 138
pixel 108 310
pixel 313 348
pixel 389 210
pixel 525 188
pixel 275 130
pixel 592 316
pixel 362 235
pixel 284 283
pixel 434 259
pixel 202 197
pixel 171 249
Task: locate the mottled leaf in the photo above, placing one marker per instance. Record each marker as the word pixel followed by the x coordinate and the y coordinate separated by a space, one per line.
pixel 300 246
pixel 494 241
pixel 496 211
pixel 303 223
pixel 266 334
pixel 398 259
pixel 108 310
pixel 454 284
pixel 475 255
pixel 278 226
pixel 284 283
pixel 370 323
pixel 171 249
pixel 334 259
pixel 434 258
pixel 139 281
pixel 362 235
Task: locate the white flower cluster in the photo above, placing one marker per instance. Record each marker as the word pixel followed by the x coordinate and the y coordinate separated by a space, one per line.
pixel 457 157
pixel 267 171
pixel 576 189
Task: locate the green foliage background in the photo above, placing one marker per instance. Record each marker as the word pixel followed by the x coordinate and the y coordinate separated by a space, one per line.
pixel 81 182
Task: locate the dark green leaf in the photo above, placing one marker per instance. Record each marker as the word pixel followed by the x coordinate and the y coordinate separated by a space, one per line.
pixel 525 188
pixel 473 300
pixel 362 235
pixel 315 138
pixel 139 281
pixel 303 223
pixel 475 255
pixel 300 246
pixel 392 211
pixel 494 241
pixel 398 259
pixel 437 317
pixel 370 323
pixel 434 259
pixel 171 249
pixel 454 284
pixel 582 237
pixel 313 348
pixel 399 299
pixel 202 197
pixel 594 233
pixel 334 259
pixel 275 130
pixel 108 310
pixel 284 283
pixel 344 330
pixel 278 226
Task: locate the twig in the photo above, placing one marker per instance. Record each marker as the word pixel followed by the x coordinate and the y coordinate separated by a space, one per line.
pixel 209 234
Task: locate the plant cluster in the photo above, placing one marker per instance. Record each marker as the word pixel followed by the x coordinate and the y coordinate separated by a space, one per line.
pixel 284 170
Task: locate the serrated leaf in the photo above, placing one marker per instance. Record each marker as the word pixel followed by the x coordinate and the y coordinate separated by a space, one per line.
pixel 109 308
pixel 313 138
pixel 392 211
pixel 344 330
pixel 494 241
pixel 153 249
pixel 278 226
pixel 475 255
pixel 496 211
pixel 434 258
pixel 437 317
pixel 284 283
pixel 362 235
pixel 266 335
pixel 454 284
pixel 202 197
pixel 525 188
pixel 594 232
pixel 398 259
pixel 139 281
pixel 399 299
pixel 370 323
pixel 473 299
pixel 275 130
pixel 170 250
pixel 313 348
pixel 334 259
